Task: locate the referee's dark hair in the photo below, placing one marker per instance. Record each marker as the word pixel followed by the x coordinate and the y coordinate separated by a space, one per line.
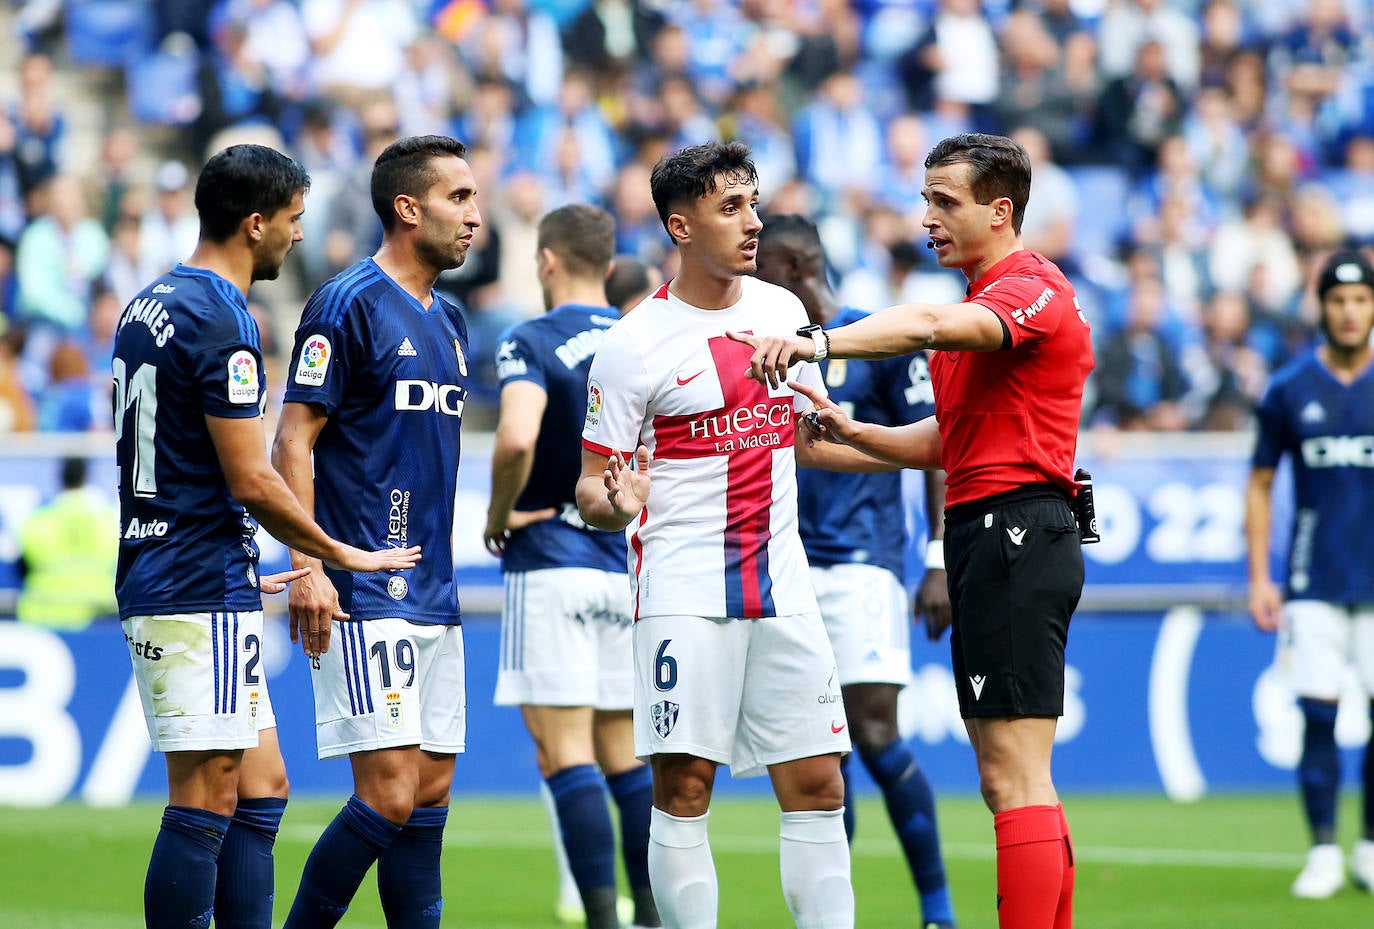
pixel 689 174
pixel 404 167
pixel 628 280
pixel 582 235
pixel 242 180
pixel 999 167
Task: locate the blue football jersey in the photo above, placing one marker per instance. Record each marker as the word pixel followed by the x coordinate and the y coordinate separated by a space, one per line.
pixel 555 351
pixel 859 518
pixel 393 379
pixel 1327 430
pixel 184 349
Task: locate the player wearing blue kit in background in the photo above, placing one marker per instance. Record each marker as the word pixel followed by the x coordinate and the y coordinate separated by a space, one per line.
pixel 566 644
pixel 193 473
pixel 1319 411
pixel 378 382
pixel 854 530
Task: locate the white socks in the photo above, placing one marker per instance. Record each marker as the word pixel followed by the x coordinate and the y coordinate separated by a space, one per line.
pixel 682 872
pixel 814 858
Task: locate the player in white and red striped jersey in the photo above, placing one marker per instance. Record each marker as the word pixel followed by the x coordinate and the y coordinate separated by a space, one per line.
pixel 732 662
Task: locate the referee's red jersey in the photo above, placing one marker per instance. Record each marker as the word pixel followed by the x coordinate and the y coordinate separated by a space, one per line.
pixel 1010 418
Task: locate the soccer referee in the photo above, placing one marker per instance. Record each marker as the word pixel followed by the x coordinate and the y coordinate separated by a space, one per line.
pixel 1008 374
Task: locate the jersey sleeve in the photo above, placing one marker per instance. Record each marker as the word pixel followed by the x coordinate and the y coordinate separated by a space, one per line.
pixel 909 395
pixel 227 370
pixel 1030 306
pixel 320 363
pixel 518 360
pixel 1272 435
pixel 617 398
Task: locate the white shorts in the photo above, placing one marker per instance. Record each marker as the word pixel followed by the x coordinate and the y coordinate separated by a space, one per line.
pixel 865 612
pixel 566 640
pixel 201 679
pixel 744 692
pixel 386 683
pixel 1320 640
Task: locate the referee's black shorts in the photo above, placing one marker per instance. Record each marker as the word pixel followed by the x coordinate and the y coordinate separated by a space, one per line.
pixel 1015 575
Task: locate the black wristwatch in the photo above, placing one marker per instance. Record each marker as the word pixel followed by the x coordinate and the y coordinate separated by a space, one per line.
pixel 820 340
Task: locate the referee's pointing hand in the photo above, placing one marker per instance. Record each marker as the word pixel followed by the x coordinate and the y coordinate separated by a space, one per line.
pixel 773 355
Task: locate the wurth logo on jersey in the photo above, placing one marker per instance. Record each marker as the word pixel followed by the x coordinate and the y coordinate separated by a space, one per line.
pixel 1028 313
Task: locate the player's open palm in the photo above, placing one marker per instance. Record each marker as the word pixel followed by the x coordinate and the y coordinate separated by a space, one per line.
pixel 1266 604
pixel 313 605
pixel 627 488
pixel 386 559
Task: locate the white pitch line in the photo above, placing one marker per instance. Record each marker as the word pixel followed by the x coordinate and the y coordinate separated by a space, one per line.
pixel 887 848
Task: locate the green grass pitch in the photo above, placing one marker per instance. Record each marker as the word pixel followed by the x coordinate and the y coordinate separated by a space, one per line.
pixel 1142 863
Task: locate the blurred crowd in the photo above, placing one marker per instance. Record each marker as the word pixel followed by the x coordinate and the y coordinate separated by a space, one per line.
pixel 1194 160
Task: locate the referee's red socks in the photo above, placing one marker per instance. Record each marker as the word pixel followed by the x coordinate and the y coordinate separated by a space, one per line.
pixel 1035 869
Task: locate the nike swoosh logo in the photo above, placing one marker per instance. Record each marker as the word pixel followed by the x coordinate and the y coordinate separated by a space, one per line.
pixel 838 729
pixel 684 381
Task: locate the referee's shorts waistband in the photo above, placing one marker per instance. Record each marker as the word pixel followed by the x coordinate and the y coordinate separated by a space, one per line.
pixel 975 509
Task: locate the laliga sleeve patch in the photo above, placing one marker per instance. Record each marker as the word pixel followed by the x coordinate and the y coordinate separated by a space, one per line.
pixel 243 377
pixel 594 402
pixel 316 354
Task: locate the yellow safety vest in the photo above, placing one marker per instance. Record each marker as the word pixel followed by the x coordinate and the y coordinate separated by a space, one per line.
pixel 71 546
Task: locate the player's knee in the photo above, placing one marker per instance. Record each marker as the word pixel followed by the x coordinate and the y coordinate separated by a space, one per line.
pixel 871 736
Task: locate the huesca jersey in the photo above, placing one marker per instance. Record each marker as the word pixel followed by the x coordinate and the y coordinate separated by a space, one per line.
pixel 718 537
pixel 1010 418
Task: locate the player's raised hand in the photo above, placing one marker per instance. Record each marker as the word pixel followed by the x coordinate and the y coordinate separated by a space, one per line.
pixel 386 559
pixel 1266 604
pixel 312 606
pixel 932 604
pixel 498 531
pixel 824 422
pixel 773 355
pixel 627 488
pixel 276 583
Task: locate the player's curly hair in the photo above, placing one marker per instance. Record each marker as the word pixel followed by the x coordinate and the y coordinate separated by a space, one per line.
pixel 242 180
pixel 999 167
pixel 404 167
pixel 690 174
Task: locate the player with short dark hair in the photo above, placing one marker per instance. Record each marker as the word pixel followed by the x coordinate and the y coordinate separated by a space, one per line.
pixel 566 656
pixel 1319 413
pixel 1008 372
pixel 630 282
pixel 732 664
pixel 189 391
pixel 379 380
pixel 854 529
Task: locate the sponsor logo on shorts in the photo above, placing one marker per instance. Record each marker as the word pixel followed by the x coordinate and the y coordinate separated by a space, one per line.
pixel 1016 534
pixel 253 705
pixel 243 377
pixel 314 361
pixel 664 716
pixel 397 588
pixel 145 650
pixel 977 681
pixel 394 718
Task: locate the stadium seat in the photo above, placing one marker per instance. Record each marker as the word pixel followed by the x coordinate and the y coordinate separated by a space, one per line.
pixel 108 32
pixel 1102 192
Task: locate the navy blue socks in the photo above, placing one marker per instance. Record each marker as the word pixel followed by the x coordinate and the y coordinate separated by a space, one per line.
pixel 179 891
pixel 357 837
